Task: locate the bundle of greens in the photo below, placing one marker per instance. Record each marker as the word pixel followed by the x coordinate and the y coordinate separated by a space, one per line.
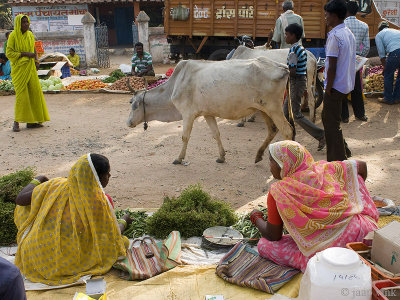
pixel 10 186
pixel 191 213
pixel 138 226
pixel 114 76
pixel 6 85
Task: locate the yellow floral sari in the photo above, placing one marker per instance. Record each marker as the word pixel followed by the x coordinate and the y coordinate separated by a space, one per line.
pixel 69 230
pixel 30 106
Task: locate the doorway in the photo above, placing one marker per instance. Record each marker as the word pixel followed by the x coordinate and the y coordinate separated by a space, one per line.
pixel 123 18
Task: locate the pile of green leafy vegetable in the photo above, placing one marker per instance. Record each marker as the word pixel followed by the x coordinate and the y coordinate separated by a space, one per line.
pixel 191 213
pixel 114 76
pixel 138 226
pixel 6 85
pixel 10 186
pixel 248 230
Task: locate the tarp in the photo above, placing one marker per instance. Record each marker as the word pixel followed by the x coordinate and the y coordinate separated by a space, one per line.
pixel 183 282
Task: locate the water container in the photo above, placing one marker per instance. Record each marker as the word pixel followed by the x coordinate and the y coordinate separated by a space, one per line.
pixel 335 274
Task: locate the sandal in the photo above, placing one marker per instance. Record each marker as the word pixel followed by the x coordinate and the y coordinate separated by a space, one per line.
pixel 33 125
pixel 16 127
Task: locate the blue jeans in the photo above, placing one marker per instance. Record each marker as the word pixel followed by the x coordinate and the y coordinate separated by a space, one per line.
pixel 392 64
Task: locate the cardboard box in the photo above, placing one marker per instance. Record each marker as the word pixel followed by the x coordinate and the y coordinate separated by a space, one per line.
pixel 51 68
pixel 386 247
pixel 96 288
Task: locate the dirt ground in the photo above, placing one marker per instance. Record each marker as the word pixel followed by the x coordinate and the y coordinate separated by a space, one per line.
pixel 141 162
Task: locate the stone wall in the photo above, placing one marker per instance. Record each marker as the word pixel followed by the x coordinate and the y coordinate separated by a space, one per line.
pixel 159 47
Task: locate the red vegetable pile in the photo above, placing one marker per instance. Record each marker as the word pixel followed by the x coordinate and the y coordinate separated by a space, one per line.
pixel 169 72
pixel 157 83
pixel 375 70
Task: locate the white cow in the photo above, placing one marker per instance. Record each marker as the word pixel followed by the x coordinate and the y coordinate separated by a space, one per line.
pixel 225 89
pixel 280 55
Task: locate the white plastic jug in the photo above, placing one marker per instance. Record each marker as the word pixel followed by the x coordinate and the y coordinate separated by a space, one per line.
pixel 334 274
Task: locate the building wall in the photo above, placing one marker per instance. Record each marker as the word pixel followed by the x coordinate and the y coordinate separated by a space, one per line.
pixel 159 47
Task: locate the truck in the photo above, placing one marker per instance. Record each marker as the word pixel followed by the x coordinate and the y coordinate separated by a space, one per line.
pixel 204 28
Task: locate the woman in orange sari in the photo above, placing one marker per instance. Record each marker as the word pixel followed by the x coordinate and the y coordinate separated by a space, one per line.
pixel 322 204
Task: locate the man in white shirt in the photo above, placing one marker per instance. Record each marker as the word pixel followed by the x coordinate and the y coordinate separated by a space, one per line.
pixel 288 17
pixel 340 69
pixel 361 33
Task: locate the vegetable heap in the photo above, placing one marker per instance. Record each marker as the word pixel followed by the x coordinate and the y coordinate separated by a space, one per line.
pixel 138 227
pixel 169 72
pixel 51 84
pixel 191 213
pixel 157 83
pixel 10 186
pixel 137 83
pixel 88 84
pixel 374 81
pixel 6 85
pixel 114 76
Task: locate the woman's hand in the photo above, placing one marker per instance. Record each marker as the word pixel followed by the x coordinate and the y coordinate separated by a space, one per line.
pixel 42 178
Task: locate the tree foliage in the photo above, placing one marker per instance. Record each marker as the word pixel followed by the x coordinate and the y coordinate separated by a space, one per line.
pixel 6 19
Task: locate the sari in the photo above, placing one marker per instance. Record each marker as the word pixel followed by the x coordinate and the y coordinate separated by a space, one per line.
pixel 69 230
pixel 30 106
pixel 322 204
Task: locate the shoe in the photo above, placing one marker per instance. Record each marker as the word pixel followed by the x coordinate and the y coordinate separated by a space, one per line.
pixel 382 100
pixel 33 125
pixel 345 120
pixel 364 118
pixel 321 144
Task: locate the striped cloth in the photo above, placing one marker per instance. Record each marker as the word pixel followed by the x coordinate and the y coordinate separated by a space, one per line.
pixel 141 64
pixel 298 58
pixel 244 267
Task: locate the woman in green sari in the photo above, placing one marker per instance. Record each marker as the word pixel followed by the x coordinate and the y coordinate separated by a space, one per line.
pixel 30 106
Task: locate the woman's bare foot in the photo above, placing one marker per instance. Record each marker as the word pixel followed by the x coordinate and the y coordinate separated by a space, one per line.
pixel 16 127
pixel 33 125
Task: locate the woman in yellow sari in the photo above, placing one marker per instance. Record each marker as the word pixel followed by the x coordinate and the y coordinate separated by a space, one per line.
pixel 30 106
pixel 67 227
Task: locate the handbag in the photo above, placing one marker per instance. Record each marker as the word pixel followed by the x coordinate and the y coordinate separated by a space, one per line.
pixel 146 258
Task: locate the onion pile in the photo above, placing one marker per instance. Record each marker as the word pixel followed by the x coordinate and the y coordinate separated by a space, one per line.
pixel 157 83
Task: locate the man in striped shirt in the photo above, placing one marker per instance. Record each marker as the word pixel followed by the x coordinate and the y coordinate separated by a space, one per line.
pixel 297 63
pixel 142 62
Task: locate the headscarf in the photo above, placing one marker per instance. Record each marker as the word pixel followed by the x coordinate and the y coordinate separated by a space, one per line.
pixel 316 200
pixel 24 42
pixel 69 230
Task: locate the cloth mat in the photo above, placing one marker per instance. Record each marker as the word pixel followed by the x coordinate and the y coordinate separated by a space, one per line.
pixel 182 282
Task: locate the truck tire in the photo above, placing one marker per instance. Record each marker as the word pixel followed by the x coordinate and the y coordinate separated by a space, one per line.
pixel 219 54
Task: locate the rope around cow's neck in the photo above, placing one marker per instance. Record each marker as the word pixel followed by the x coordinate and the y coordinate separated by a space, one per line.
pixel 145 126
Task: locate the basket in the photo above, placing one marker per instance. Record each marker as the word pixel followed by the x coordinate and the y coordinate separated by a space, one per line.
pixel 377 294
pixel 65 71
pixel 152 79
pixel 375 273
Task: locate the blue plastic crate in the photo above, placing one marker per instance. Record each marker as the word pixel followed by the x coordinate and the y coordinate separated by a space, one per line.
pixel 65 72
pixel 318 52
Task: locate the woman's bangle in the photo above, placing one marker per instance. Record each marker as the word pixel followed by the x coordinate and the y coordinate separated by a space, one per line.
pixel 255 216
pixel 35 182
pixel 122 221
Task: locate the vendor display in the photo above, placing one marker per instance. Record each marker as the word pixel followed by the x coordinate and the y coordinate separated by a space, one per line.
pixel 88 84
pixel 51 84
pixel 136 83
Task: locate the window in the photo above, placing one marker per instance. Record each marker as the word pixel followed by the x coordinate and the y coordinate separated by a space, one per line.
pixel 365 6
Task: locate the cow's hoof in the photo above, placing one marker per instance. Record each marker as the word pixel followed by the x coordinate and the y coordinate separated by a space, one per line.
pixel 177 162
pixel 220 160
pixel 241 124
pixel 258 159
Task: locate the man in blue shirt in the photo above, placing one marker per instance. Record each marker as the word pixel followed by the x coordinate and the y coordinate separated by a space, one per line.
pixel 297 63
pixel 388 44
pixel 340 74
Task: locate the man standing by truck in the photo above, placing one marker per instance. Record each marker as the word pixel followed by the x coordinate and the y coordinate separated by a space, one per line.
pixel 361 33
pixel 288 17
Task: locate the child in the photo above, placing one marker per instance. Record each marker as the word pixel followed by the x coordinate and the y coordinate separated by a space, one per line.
pixel 74 58
pixel 297 62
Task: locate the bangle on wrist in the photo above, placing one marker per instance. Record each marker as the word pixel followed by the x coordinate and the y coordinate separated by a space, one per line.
pixel 122 221
pixel 255 216
pixel 35 182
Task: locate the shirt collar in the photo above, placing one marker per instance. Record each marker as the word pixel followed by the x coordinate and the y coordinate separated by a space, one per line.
pixel 351 18
pixel 288 12
pixel 340 26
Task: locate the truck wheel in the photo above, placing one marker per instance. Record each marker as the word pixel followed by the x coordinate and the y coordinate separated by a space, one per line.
pixel 219 54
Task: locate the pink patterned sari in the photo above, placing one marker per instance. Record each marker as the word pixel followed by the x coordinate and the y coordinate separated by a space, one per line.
pixel 322 204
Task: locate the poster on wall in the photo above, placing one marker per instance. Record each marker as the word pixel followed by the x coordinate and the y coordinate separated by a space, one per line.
pixel 53 18
pixel 63 46
pixel 390 10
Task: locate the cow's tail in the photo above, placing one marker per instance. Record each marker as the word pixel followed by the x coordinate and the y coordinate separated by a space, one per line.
pixel 291 118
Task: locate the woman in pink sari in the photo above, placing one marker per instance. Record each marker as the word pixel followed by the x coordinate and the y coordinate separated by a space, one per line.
pixel 322 204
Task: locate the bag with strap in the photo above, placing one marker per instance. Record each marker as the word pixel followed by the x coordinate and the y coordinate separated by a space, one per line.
pixel 146 258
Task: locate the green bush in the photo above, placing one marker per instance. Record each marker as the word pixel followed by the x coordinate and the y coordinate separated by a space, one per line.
pixel 10 186
pixel 191 213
